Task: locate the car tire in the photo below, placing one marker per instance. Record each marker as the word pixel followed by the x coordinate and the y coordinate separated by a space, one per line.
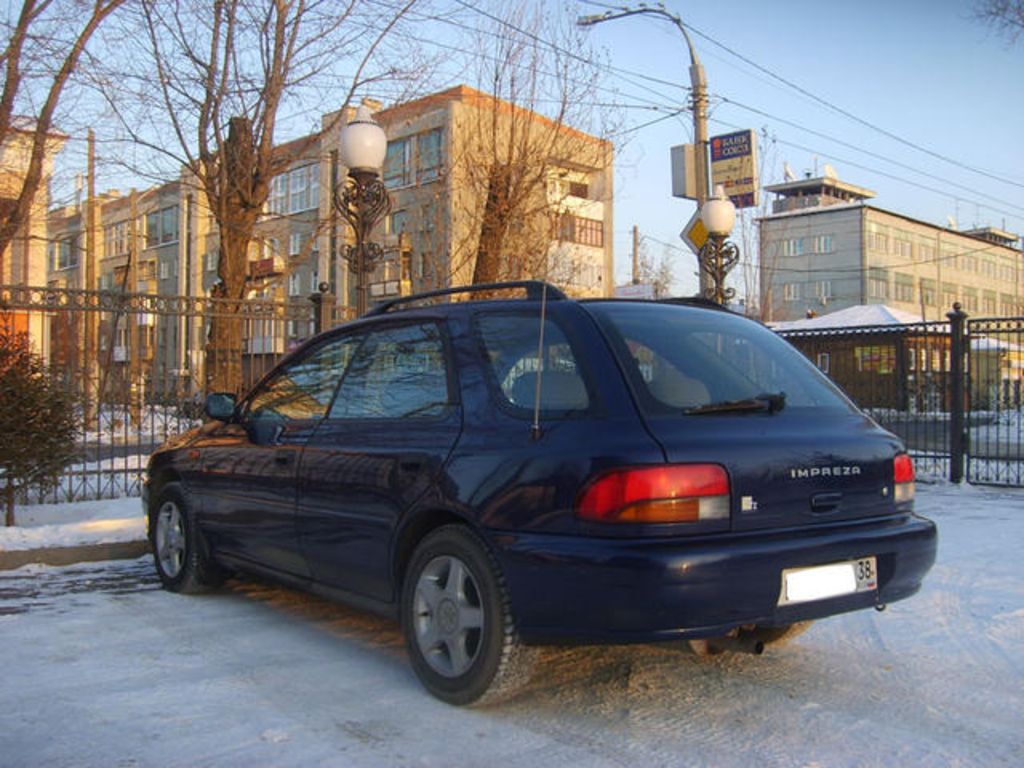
pixel 458 622
pixel 180 551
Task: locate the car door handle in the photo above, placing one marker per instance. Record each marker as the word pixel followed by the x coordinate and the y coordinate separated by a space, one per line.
pixel 283 458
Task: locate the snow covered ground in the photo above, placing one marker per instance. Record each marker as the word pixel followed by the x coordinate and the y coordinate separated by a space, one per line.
pixel 71 524
pixel 102 668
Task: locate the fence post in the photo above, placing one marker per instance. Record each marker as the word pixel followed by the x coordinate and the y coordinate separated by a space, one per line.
pixel 957 356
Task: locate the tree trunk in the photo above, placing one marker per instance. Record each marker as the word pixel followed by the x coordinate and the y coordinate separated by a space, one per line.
pixel 9 516
pixel 493 227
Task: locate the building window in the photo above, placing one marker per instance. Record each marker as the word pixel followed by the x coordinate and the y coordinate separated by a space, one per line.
pixel 970 300
pixel 165 270
pixel 162 226
pixel 397 164
pixel 117 238
pixel 823 290
pixel 988 303
pixel 904 249
pixel 1007 305
pixel 397 223
pixel 791 292
pixel 64 253
pixel 793 247
pixel 824 244
pixel 877 241
pixel 210 261
pixel 929 293
pixel 925 253
pixel 577 229
pixel 295 191
pixel 949 294
pixel 904 287
pixel 824 362
pixel 878 284
pixel 294 285
pixel 428 149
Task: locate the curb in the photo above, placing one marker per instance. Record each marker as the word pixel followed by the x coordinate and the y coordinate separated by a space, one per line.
pixel 83 553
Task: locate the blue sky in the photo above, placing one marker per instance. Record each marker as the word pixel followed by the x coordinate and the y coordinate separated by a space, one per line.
pixel 925 72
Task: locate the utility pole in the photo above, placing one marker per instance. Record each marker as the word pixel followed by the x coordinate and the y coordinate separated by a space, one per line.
pixel 698 105
pixel 92 393
pixel 636 255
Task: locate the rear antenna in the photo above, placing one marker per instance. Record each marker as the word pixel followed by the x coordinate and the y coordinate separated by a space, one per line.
pixel 535 431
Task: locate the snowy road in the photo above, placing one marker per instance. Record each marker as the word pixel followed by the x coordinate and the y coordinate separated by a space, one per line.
pixel 102 668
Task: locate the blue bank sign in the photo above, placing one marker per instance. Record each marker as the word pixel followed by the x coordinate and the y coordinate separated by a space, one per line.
pixel 734 166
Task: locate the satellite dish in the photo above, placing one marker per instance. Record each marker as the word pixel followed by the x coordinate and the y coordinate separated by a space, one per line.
pixel 787 173
pixel 830 172
pixel 951 221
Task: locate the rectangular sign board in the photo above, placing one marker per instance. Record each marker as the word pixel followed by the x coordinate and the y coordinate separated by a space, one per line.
pixel 734 167
pixel 684 171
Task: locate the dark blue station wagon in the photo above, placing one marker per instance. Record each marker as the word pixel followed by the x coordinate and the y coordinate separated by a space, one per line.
pixel 498 474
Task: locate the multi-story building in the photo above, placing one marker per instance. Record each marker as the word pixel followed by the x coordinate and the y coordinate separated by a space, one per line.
pixel 824 248
pixel 164 240
pixel 24 261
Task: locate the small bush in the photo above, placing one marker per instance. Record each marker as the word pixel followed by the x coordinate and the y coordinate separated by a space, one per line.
pixel 37 418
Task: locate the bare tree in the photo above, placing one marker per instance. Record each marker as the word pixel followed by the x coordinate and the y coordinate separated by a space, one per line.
pixel 45 42
pixel 1005 16
pixel 526 146
pixel 223 70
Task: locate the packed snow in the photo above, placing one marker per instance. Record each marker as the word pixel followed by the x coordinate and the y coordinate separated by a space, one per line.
pixel 103 668
pixel 73 524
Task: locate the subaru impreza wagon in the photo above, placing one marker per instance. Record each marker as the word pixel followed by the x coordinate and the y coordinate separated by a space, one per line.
pixel 498 474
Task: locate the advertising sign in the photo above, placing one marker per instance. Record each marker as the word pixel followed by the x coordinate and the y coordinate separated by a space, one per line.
pixel 734 166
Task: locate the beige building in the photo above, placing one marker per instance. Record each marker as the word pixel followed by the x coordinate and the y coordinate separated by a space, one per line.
pixel 824 248
pixel 25 261
pixel 164 240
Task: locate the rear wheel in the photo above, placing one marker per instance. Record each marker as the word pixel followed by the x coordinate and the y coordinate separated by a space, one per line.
pixel 180 552
pixel 458 622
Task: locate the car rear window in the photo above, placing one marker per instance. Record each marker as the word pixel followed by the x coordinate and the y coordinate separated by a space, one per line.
pixel 679 359
pixel 515 359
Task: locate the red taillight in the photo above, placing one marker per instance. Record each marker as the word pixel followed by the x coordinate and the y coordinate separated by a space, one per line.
pixel 903 477
pixel 680 493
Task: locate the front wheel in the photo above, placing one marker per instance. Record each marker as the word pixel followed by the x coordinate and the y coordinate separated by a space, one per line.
pixel 458 622
pixel 180 551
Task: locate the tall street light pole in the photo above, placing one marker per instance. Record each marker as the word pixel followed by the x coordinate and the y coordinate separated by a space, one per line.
pixel 698 103
pixel 363 200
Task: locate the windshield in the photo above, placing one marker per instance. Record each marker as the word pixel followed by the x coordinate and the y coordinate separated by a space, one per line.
pixel 688 360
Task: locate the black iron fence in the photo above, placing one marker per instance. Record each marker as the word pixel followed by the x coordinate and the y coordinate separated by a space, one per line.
pixel 136 365
pixel 951 390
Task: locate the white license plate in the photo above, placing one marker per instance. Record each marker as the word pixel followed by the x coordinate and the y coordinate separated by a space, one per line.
pixel 819 582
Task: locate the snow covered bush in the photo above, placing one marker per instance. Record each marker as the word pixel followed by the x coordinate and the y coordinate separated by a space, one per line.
pixel 37 417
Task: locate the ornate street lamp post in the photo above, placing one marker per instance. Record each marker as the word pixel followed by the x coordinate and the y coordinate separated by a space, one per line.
pixel 363 199
pixel 718 255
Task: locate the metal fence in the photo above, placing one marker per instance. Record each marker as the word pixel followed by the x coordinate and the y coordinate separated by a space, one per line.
pixel 952 390
pixel 136 365
pixel 995 450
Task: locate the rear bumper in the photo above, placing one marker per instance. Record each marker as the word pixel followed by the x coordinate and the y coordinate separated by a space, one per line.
pixel 640 590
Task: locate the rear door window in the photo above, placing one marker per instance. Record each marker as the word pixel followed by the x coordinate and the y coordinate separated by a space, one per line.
pixel 518 361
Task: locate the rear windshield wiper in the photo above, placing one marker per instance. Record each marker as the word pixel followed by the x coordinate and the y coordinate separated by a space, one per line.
pixel 770 402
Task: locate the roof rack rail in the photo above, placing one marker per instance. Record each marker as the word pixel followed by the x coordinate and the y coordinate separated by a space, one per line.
pixel 696 301
pixel 535 289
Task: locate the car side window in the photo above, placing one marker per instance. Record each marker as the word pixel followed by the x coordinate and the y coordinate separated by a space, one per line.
pixel 511 348
pixel 398 373
pixel 304 388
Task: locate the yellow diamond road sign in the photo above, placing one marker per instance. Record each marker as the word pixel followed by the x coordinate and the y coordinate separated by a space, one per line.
pixel 695 234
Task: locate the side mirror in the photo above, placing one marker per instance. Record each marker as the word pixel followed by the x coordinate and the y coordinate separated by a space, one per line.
pixel 220 406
